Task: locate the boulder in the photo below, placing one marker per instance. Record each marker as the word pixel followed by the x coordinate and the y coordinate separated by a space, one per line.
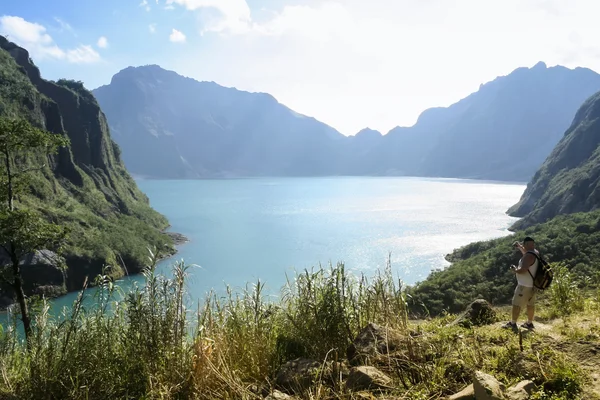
pixel 467 393
pixel 42 273
pixel 487 387
pixel 297 375
pixel 521 391
pixel 478 313
pixel 367 378
pixel 371 341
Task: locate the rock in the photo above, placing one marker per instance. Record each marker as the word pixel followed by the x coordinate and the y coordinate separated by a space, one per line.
pixel 478 313
pixel 367 378
pixel 277 395
pixel 521 391
pixel 42 272
pixel 371 341
pixel 487 387
pixel 177 238
pixel 297 375
pixel 467 393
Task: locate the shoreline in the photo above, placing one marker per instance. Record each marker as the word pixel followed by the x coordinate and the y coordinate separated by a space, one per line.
pixel 179 239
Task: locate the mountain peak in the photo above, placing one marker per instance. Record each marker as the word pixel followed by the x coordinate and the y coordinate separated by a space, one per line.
pixel 540 65
pixel 369 132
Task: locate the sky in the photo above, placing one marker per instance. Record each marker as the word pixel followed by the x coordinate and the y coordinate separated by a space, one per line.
pixel 349 63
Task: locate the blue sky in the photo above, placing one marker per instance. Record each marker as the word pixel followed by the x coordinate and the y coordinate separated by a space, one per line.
pixel 349 63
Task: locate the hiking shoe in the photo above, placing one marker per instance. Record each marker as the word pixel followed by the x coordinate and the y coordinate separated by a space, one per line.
pixel 510 325
pixel 527 325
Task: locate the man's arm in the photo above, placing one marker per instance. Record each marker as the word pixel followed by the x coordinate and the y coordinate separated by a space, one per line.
pixel 528 260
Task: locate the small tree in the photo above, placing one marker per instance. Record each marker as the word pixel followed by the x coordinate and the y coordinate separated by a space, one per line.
pixel 23 231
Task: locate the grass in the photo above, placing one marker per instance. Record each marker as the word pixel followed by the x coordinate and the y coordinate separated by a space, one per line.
pixel 148 344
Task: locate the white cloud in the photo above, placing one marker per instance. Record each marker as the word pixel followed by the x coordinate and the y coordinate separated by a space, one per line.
pixel 176 36
pixel 219 15
pixel 145 4
pixel 102 42
pixel 152 28
pixel 83 55
pixel 352 63
pixel 33 37
pixel 65 26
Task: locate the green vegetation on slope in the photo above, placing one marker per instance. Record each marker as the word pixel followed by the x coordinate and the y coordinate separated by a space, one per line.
pixel 569 179
pixel 481 269
pixel 85 187
pixel 150 346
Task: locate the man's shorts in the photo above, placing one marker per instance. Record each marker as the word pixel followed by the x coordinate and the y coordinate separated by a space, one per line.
pixel 524 296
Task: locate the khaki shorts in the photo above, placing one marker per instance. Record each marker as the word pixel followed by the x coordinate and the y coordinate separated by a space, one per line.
pixel 524 296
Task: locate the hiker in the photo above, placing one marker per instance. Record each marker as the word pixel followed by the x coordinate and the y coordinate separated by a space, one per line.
pixel 525 291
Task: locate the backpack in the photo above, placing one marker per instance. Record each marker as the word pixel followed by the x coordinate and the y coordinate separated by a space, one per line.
pixel 544 274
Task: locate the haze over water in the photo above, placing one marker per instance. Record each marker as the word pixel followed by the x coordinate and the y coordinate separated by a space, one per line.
pixel 244 229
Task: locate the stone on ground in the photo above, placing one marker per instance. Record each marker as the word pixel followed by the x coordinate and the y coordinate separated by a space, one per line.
pixel 478 313
pixel 521 391
pixel 372 341
pixel 487 387
pixel 277 395
pixel 367 378
pixel 297 375
pixel 467 393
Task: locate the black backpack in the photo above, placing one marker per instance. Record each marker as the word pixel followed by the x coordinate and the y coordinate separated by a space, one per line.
pixel 544 275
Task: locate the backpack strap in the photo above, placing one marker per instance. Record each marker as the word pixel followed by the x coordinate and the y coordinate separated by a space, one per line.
pixel 537 257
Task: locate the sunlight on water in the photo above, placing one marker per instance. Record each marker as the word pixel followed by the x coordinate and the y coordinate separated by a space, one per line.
pixel 243 230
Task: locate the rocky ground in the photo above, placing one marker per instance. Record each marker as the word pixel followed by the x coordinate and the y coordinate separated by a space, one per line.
pixel 383 363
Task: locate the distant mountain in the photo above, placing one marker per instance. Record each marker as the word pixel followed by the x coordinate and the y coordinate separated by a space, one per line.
pixel 170 126
pixel 174 127
pixel 569 179
pixel 504 131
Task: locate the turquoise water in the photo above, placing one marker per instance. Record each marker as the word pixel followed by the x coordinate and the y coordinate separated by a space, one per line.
pixel 243 230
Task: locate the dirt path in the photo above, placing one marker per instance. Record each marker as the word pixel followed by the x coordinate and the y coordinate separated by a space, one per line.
pixel 585 353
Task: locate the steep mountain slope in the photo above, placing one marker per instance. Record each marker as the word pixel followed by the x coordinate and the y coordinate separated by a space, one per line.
pixel 85 186
pixel 174 127
pixel 170 126
pixel 483 136
pixel 569 179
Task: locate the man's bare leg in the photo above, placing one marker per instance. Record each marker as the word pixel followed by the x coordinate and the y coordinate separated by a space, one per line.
pixel 516 310
pixel 530 313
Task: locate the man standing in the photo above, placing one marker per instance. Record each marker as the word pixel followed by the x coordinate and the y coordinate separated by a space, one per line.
pixel 525 291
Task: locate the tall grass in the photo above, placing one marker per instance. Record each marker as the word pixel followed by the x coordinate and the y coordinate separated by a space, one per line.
pixel 149 344
pixel 566 293
pixel 148 341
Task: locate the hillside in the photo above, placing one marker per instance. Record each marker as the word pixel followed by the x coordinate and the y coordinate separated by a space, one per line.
pixel 170 126
pixel 481 269
pixel 85 187
pixel 569 179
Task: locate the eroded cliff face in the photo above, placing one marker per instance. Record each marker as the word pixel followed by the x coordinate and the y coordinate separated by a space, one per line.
pixel 84 186
pixel 569 179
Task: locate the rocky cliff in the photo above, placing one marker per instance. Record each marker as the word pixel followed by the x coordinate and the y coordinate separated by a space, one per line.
pixel 569 179
pixel 85 186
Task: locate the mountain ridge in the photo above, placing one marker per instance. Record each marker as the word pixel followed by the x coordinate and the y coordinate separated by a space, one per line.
pixel 205 135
